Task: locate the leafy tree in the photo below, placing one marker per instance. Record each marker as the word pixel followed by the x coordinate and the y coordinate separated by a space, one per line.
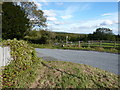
pixel 34 14
pixel 40 37
pixel 15 23
pixel 47 37
pixel 101 34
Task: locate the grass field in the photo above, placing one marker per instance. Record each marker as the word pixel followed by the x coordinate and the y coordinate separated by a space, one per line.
pixel 60 74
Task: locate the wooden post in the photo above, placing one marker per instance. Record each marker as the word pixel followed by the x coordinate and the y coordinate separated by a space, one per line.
pixel 88 43
pixel 79 43
pixel 114 44
pixel 100 43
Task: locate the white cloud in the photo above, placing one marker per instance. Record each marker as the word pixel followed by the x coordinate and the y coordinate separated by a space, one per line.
pixel 38 4
pixel 107 22
pixel 106 14
pixel 66 17
pixel 87 26
pixel 50 14
pixel 51 18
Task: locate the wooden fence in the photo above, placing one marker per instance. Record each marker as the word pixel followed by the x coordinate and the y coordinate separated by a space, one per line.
pixel 104 44
pixel 5 56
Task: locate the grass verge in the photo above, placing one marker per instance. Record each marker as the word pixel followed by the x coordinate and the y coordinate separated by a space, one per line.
pixel 60 74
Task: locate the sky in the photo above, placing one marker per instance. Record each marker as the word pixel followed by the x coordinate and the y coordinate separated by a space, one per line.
pixel 80 17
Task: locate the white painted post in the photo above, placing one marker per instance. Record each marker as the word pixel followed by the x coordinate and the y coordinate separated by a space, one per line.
pixel 1 56
pixel 4 56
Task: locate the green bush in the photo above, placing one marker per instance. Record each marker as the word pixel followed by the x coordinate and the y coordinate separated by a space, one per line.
pixel 99 49
pixel 21 70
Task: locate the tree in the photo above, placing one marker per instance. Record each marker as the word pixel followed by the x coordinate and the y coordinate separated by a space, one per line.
pixel 101 34
pixel 34 14
pixel 15 23
pixel 47 37
pixel 40 37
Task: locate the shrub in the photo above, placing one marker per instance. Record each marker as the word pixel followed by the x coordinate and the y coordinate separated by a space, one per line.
pixel 99 49
pixel 113 50
pixel 20 70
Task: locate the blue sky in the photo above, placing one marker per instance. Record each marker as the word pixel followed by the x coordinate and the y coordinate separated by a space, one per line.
pixel 80 17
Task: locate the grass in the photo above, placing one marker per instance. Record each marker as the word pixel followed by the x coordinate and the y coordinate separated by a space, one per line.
pixel 95 48
pixel 60 74
pixel 100 49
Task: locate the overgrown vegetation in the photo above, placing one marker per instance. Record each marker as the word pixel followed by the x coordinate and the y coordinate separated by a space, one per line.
pixel 60 74
pixel 23 68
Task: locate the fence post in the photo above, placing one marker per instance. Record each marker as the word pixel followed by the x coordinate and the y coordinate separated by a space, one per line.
pixel 114 44
pixel 88 43
pixel 100 44
pixel 79 43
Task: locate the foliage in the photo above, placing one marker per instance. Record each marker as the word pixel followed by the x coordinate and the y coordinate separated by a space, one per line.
pixel 40 37
pixel 14 21
pixel 102 34
pixel 61 37
pixel 22 69
pixel 34 14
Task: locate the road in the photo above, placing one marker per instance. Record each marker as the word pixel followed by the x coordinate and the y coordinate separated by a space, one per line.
pixel 102 60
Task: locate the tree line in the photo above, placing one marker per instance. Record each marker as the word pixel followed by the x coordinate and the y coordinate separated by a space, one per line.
pixel 48 37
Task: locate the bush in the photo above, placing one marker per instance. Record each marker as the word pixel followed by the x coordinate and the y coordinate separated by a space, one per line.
pixel 99 49
pixel 21 69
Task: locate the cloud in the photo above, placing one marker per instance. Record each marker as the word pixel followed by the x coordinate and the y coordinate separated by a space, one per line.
pixel 38 4
pixel 107 22
pixel 106 14
pixel 66 17
pixel 50 14
pixel 68 12
pixel 51 18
